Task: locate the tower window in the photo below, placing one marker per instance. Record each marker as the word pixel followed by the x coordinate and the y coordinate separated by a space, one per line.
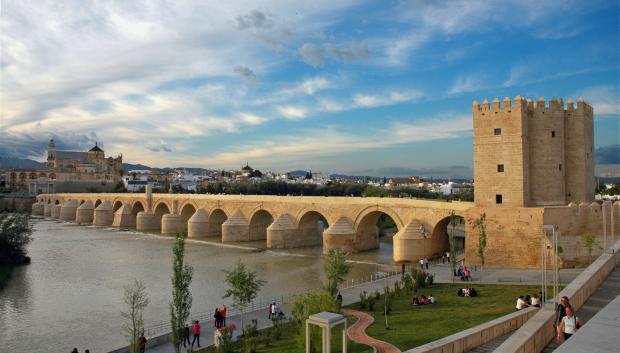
pixel 560 167
pixel 552 134
pixel 498 199
pixel 498 131
pixel 500 168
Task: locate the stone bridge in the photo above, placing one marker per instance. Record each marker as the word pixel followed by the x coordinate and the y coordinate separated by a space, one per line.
pixel 345 223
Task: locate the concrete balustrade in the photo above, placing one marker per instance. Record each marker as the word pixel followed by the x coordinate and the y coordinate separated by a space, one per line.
pixel 198 224
pixel 85 213
pixel 536 334
pixel 104 216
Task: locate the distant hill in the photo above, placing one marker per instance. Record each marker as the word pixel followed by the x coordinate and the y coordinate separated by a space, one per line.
pixel 128 166
pixel 20 163
pixel 297 173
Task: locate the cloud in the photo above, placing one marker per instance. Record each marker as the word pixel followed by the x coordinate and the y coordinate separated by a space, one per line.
pixel 331 141
pixel 246 73
pixel 161 146
pixel 604 99
pixel 463 84
pixel 311 54
pixel 314 55
pixel 255 19
pixel 291 112
pixel 251 119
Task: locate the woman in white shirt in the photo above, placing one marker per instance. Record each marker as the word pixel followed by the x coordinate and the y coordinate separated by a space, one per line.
pixel 521 303
pixel 536 301
pixel 569 324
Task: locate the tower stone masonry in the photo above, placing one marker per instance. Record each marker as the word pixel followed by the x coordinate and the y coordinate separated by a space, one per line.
pixel 533 154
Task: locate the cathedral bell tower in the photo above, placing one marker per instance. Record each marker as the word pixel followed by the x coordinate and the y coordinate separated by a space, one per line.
pixel 51 155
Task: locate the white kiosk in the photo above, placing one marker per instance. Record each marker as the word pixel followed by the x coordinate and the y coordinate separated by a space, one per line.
pixel 326 321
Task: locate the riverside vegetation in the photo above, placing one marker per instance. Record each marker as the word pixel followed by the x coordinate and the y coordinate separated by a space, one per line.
pixel 15 235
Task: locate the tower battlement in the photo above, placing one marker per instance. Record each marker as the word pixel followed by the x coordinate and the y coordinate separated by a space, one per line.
pixel 533 152
pixel 518 103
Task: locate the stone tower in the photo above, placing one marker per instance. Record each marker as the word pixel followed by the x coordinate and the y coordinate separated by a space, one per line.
pixel 51 155
pixel 533 154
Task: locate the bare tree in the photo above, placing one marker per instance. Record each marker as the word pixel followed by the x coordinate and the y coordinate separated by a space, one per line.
pixel 136 299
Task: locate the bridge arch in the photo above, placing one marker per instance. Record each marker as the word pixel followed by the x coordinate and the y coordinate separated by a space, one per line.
pixel 259 221
pixel 371 210
pixel 137 207
pixel 439 240
pixel 187 211
pixel 370 224
pixel 311 226
pixel 97 202
pixel 217 217
pixel 160 210
pixel 117 204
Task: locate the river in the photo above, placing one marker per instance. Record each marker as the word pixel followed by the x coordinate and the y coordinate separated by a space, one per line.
pixel 71 294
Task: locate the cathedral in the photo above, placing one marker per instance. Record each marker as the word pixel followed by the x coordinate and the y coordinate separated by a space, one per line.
pixel 93 161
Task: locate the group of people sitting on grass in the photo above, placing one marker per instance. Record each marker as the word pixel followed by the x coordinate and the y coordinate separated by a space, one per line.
pixel 467 292
pixel 463 273
pixel 423 300
pixel 525 301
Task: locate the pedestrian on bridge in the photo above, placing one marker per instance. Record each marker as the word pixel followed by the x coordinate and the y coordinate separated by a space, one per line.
pixel 223 312
pixel 186 336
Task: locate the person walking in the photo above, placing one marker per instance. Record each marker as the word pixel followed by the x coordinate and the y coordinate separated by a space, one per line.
pixel 142 343
pixel 217 316
pixel 274 311
pixel 186 336
pixel 447 256
pixel 269 311
pixel 426 262
pixel 421 264
pixel 196 332
pixel 560 311
pixel 569 325
pixel 75 350
pixel 224 311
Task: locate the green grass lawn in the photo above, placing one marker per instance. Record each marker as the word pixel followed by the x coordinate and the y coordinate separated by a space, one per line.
pixel 413 326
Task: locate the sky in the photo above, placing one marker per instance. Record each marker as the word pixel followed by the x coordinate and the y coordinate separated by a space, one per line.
pixel 373 87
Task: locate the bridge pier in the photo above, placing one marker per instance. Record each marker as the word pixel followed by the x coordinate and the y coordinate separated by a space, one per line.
pixel 171 224
pixel 37 208
pixel 47 210
pixel 340 236
pixel 68 210
pixel 56 211
pixel 409 243
pixel 283 233
pixel 198 224
pixel 124 218
pixel 236 228
pixel 103 214
pixel 84 213
pixel 147 221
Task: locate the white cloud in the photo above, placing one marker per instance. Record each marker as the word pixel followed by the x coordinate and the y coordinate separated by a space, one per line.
pixel 251 119
pixel 470 83
pixel 291 112
pixel 604 99
pixel 311 54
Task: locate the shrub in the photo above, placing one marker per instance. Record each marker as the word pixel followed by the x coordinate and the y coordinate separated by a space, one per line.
pixel 363 300
pixel 371 302
pixel 377 295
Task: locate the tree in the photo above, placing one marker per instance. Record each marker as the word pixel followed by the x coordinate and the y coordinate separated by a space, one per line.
pixel 589 241
pixel 480 223
pixel 243 286
pixel 15 234
pixel 451 243
pixel 181 296
pixel 336 269
pixel 308 304
pixel 136 299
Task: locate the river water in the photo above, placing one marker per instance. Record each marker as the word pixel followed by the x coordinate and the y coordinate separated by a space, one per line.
pixel 71 294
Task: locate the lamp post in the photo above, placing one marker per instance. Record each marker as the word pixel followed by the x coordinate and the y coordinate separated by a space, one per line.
pixel 423 232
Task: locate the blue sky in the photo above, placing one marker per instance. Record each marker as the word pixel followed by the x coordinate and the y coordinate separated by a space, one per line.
pixel 334 86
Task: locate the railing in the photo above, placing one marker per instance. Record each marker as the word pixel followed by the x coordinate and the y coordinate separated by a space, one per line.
pixel 161 328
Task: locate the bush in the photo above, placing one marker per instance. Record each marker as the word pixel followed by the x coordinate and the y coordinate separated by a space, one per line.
pixel 430 279
pixel 377 295
pixel 407 283
pixel 397 288
pixel 15 232
pixel 371 302
pixel 363 300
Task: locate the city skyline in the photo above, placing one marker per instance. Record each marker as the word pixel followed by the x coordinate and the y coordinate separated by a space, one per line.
pixel 341 87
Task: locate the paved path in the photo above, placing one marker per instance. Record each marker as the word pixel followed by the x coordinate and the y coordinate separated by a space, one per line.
pixel 608 291
pixel 357 332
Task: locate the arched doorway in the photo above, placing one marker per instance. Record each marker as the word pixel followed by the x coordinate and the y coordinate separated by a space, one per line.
pixel 373 225
pixel 216 219
pixel 440 241
pixel 311 227
pixel 259 222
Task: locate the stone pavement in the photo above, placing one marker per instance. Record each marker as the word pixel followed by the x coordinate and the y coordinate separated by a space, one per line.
pixel 601 316
pixel 357 332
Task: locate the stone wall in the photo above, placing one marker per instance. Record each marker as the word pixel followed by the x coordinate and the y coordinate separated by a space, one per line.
pixel 16 204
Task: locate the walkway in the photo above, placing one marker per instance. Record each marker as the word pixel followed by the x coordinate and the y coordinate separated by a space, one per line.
pixel 608 292
pixel 357 332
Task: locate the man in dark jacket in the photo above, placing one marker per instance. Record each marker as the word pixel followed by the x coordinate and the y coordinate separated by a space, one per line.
pixel 186 335
pixel 560 311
